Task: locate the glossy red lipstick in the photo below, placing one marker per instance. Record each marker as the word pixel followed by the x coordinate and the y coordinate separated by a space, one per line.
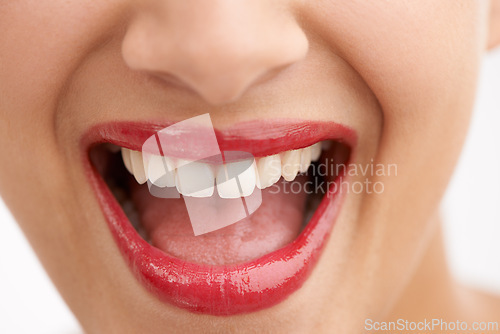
pixel 224 289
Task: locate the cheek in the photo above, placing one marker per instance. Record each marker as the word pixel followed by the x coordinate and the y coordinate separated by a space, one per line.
pixel 420 60
pixel 41 44
pixel 412 55
pixel 421 63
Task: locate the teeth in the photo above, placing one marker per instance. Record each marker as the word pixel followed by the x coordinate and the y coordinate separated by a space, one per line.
pixel 236 179
pixel 126 160
pixel 197 179
pixel 138 167
pixel 269 170
pixel 161 171
pixel 315 151
pixel 305 159
pixel 290 164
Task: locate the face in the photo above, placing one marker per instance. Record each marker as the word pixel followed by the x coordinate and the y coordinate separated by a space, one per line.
pixel 393 82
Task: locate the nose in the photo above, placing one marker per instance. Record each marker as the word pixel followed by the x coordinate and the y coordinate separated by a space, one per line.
pixel 216 48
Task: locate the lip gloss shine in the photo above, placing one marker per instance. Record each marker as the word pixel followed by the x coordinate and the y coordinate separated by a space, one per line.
pixel 228 289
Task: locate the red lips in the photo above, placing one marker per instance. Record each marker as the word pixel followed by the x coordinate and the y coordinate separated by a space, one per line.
pixel 229 289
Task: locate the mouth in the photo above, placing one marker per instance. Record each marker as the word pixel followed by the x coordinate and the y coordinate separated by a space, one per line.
pixel 296 168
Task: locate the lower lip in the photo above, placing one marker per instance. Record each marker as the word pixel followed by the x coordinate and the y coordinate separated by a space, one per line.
pixel 221 290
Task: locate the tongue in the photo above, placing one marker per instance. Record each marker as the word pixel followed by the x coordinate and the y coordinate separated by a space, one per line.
pixel 274 224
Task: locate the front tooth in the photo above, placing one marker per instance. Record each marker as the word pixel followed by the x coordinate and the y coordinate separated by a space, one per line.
pixel 230 174
pixel 161 171
pixel 269 170
pixel 138 166
pixel 290 164
pixel 194 179
pixel 257 178
pixel 305 159
pixel 315 151
pixel 126 160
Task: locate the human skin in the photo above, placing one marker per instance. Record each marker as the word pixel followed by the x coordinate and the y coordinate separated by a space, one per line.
pixel 402 74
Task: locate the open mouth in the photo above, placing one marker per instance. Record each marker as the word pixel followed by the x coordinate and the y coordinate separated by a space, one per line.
pixel 255 262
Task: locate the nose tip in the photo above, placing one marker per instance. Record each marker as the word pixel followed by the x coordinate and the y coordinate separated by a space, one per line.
pixel 217 51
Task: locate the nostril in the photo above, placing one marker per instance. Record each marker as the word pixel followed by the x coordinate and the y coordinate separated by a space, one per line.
pixel 218 51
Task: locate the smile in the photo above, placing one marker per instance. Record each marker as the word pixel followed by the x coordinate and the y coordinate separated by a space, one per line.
pixel 265 172
pixel 255 263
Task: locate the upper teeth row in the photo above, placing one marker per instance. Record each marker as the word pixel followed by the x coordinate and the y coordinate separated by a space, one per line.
pixel 187 177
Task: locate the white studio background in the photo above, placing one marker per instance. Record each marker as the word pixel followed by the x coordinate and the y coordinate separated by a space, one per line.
pixel 29 303
pixel 471 208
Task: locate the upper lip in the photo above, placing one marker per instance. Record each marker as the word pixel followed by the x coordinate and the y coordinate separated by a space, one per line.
pixel 231 289
pixel 255 137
